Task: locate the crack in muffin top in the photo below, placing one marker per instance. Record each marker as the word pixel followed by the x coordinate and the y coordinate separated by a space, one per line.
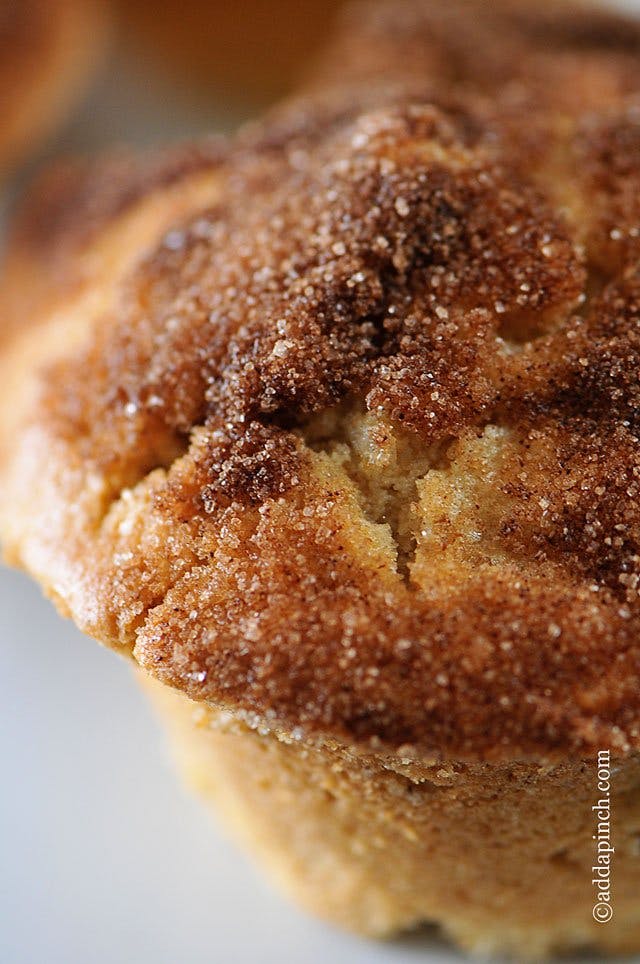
pixel 337 426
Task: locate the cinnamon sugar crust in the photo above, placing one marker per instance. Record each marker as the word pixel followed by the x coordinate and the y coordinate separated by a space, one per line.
pixel 69 210
pixel 349 441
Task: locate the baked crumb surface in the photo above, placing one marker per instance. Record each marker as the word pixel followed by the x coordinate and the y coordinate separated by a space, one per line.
pixel 337 425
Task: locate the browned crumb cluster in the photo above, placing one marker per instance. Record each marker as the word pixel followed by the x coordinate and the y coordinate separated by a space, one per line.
pixel 351 442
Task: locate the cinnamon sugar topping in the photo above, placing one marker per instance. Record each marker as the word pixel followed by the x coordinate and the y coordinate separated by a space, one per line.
pixel 364 421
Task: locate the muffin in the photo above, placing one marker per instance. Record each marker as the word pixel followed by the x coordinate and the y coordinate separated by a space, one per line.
pixel 249 54
pixel 333 429
pixel 48 50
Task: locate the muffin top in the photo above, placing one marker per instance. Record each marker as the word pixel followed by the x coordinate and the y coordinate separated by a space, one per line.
pixel 336 424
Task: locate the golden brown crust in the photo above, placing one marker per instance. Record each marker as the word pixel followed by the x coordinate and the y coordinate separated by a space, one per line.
pixel 349 439
pixel 48 50
pixel 495 855
pixel 71 207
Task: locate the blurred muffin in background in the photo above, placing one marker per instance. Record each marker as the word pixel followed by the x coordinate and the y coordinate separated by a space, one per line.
pixel 250 52
pixel 48 50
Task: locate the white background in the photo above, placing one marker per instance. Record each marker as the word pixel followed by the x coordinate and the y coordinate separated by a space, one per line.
pixel 104 859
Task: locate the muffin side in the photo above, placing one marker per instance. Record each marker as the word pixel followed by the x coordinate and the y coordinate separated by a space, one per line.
pixel 499 857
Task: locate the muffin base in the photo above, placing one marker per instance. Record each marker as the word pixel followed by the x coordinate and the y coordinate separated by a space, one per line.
pixel 499 856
